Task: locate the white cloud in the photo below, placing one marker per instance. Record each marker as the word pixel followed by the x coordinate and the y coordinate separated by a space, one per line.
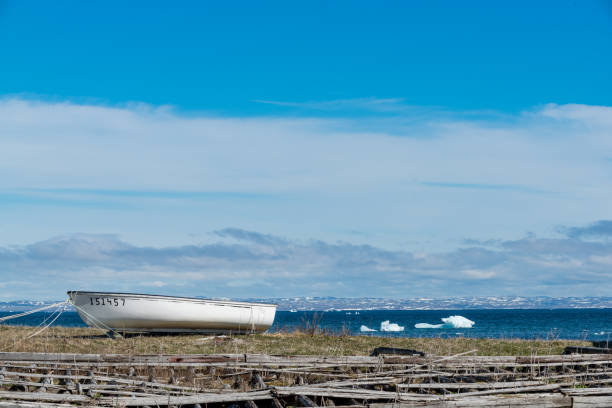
pixel 419 180
pixel 67 145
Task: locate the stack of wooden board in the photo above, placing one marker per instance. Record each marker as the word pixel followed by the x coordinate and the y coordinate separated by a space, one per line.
pixel 30 380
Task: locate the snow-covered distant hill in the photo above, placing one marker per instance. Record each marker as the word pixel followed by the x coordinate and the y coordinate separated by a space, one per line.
pixel 456 303
pixel 21 305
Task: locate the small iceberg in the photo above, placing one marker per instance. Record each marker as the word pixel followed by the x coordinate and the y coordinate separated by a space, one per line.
pixel 428 326
pixel 386 326
pixel 451 322
pixel 365 329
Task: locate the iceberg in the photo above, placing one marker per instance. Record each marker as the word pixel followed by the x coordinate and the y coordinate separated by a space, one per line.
pixel 428 326
pixel 365 328
pixel 390 327
pixel 458 322
pixel 451 322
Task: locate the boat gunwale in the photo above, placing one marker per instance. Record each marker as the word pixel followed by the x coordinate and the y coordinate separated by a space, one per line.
pixel 166 297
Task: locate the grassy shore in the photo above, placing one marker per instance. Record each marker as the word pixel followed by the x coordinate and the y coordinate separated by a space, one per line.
pixel 85 340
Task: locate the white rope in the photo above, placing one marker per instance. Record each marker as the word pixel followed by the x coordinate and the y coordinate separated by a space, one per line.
pixel 51 316
pixel 49 324
pixel 94 319
pixel 64 304
pixel 2 319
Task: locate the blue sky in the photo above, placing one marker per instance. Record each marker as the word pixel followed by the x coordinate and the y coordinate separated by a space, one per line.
pixel 303 149
pixel 220 58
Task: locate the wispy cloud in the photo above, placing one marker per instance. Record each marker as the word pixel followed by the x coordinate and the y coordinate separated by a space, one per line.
pixel 383 106
pixel 118 199
pixel 362 104
pixel 484 186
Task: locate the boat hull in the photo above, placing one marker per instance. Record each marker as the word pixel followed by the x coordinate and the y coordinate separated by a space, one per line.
pixel 128 312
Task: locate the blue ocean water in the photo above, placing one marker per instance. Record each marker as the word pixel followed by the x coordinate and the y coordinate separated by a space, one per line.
pixel 589 324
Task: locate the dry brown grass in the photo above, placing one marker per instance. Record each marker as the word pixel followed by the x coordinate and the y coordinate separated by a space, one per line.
pixel 86 340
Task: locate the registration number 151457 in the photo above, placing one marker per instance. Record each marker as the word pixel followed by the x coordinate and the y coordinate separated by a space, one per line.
pixel 100 301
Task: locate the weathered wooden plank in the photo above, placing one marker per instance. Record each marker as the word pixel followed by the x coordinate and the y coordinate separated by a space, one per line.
pixel 590 373
pixel 133 382
pixel 599 381
pixel 361 382
pixel 353 360
pixel 295 361
pixel 148 384
pixel 19 356
pixel 154 387
pixel 36 375
pixel 27 404
pixel 459 359
pixel 592 401
pixel 188 399
pixel 42 396
pixel 189 359
pixel 103 364
pixel 516 390
pixel 125 393
pixel 495 375
pixel 563 358
pixel 587 391
pixel 300 372
pixel 527 401
pixel 344 406
pixel 474 385
pixel 358 393
pixel 439 360
pixel 454 366
pixel 31 384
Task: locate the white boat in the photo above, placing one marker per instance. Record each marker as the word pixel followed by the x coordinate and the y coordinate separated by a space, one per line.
pixel 134 313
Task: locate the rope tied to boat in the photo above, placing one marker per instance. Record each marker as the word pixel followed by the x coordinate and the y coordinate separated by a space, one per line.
pixel 29 312
pixel 65 304
pixel 97 323
pixel 61 307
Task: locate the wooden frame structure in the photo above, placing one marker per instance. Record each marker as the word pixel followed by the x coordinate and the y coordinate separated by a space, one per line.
pixel 47 380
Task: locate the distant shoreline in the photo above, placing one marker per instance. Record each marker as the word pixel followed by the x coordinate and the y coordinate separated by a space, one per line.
pixel 326 304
